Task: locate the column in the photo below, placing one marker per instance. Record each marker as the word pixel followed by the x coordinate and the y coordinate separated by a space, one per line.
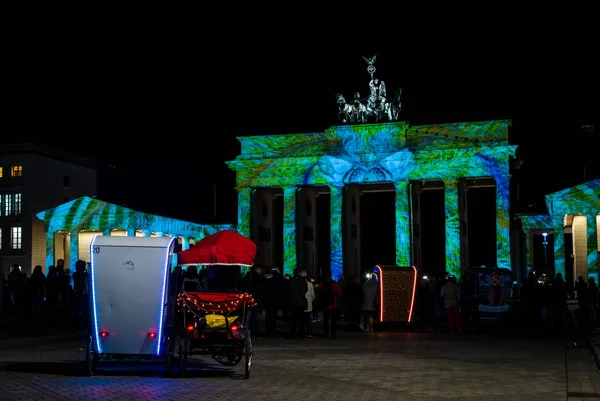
pixel 73 250
pixel 49 249
pixel 244 202
pixel 592 246
pixel 503 222
pixel 528 250
pixel 559 246
pixel 335 230
pixel 185 243
pixel 402 224
pixel 452 224
pixel 290 260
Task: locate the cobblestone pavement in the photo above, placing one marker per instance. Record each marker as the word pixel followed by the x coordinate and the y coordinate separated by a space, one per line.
pixel 364 366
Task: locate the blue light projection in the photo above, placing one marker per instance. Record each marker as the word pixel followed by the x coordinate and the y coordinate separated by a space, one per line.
pixel 583 200
pixel 391 152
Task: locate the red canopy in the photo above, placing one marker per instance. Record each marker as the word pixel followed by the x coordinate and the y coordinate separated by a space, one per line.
pixel 225 247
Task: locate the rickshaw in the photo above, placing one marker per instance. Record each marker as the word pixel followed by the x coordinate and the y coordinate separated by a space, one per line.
pixel 216 323
pixel 137 314
pixel 128 281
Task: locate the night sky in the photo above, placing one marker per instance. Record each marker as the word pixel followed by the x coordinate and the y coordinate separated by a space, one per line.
pixel 160 113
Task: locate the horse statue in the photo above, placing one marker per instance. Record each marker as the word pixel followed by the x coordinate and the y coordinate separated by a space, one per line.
pixel 396 105
pixel 344 109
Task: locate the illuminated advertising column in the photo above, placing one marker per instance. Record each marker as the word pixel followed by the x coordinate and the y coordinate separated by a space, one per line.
pixel 402 224
pixel 289 229
pixel 336 194
pixel 502 223
pixel 452 227
pixel 244 211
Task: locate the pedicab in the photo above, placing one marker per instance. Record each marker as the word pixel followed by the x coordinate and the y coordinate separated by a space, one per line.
pixel 128 281
pixel 216 323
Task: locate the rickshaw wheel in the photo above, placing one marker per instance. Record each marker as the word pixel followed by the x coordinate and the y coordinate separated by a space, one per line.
pixel 183 355
pixel 247 355
pixel 90 357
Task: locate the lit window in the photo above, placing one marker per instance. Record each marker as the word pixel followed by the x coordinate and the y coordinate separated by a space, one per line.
pixel 16 236
pixel 16 171
pixel 18 207
pixel 0 172
pixel 7 204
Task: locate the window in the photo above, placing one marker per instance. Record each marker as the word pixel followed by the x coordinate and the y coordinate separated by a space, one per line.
pixel 16 171
pixel 18 207
pixel 66 181
pixel 0 172
pixel 7 204
pixel 0 237
pixel 1 199
pixel 15 240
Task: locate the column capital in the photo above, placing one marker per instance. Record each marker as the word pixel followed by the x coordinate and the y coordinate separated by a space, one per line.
pixel 450 182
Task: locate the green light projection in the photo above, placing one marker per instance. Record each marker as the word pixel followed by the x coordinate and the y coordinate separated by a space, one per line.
pixel 376 153
pixel 88 213
pixel 583 200
pixel 452 227
pixel 530 223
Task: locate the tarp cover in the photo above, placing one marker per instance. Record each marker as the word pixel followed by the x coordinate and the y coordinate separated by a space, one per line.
pixel 225 247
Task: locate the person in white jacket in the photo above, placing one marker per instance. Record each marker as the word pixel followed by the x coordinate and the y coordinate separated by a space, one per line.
pixel 310 297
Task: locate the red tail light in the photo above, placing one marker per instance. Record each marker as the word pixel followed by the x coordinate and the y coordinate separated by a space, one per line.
pixel 236 331
pixel 190 328
pixel 104 334
pixel 152 335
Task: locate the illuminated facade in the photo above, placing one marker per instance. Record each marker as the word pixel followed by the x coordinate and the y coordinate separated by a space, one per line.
pixel 70 228
pixel 573 221
pixel 344 160
pixel 34 178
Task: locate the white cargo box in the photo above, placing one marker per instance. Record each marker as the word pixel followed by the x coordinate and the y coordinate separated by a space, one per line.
pixel 128 284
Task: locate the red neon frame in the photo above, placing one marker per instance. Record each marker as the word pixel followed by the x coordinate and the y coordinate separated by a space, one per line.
pixel 412 300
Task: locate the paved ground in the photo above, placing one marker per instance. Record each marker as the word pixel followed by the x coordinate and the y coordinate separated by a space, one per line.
pixel 364 366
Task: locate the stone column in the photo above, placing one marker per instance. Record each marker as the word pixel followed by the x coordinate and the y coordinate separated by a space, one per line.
pixel 559 246
pixel 49 249
pixel 528 250
pixel 244 208
pixel 335 230
pixel 185 243
pixel 402 224
pixel 290 260
pixel 452 224
pixel 592 246
pixel 503 222
pixel 73 251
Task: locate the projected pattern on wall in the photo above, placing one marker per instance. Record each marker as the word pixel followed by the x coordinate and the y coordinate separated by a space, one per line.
pixel 87 213
pixel 375 153
pixel 582 200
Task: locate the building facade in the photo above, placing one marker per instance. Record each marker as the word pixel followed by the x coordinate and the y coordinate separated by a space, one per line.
pixel 345 161
pixel 34 178
pixel 66 231
pixel 567 236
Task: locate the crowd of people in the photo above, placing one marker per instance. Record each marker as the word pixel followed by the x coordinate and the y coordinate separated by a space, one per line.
pixel 443 303
pixel 55 297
